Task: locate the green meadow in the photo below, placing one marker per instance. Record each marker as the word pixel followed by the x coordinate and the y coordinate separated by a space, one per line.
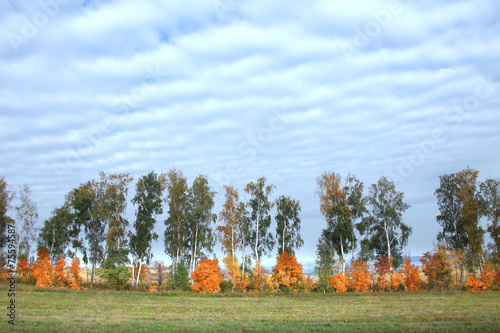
pixel 39 310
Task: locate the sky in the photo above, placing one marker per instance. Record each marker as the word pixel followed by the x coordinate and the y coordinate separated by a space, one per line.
pixel 243 89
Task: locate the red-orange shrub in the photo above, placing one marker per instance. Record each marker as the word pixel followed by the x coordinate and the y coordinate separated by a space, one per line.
pixel 23 268
pixel 60 274
pixel 43 271
pixel 74 275
pixel 395 281
pixel 411 276
pixel 359 276
pixel 258 277
pixel 287 272
pixel 383 267
pixel 207 277
pixel 339 283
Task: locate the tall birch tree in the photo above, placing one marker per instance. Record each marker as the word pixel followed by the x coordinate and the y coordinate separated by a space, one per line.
pixel 288 225
pixel 260 205
pixel 384 230
pixel 149 202
pixel 200 220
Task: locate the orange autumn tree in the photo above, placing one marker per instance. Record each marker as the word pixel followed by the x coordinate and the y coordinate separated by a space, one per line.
pixel 207 277
pixel 60 274
pixel 23 269
pixel 359 275
pixel 411 276
pixel 339 283
pixel 287 272
pixel 74 275
pixel 383 267
pixel 43 271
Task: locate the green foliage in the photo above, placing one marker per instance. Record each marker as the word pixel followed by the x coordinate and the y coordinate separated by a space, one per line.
pixel 226 286
pixel 176 231
pixel 6 197
pixel 181 277
pixel 324 261
pixel 148 199
pixel 460 209
pixel 55 236
pixel 490 200
pixel 117 276
pixel 288 225
pixel 341 206
pixel 262 241
pixel 384 230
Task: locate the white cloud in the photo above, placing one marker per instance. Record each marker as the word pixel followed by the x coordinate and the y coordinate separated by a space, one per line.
pixel 123 87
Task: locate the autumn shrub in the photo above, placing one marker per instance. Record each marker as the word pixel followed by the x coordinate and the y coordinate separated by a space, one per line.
pixel 288 272
pixel 359 276
pixel 258 278
pixel 484 282
pixel 60 273
pixel 437 268
pixel 487 276
pixel 43 271
pixel 207 277
pixel 152 288
pixel 339 283
pixel 474 284
pixel 23 269
pixel 411 276
pixel 74 279
pixel 383 268
pixel 395 281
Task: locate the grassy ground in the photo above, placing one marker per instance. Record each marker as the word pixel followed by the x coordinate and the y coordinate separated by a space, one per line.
pixel 99 311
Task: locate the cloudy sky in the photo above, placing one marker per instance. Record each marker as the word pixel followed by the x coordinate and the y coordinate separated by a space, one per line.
pixel 240 89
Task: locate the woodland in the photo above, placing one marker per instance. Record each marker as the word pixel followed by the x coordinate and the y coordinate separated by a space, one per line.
pixel 361 247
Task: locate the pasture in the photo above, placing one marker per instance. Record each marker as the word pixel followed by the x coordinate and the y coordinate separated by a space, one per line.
pixel 93 311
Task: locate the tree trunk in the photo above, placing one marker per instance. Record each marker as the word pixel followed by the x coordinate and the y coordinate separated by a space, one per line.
pixel 342 254
pixel 194 253
pixel 133 273
pixel 283 243
pixel 138 274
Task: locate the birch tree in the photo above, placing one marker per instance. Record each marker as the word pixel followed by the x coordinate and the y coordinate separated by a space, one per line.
pixel 288 225
pixel 27 214
pixel 176 231
pixel 6 197
pixel 55 236
pixel 384 230
pixel 200 220
pixel 490 196
pixel 149 202
pixel 342 206
pixel 260 205
pixel 229 233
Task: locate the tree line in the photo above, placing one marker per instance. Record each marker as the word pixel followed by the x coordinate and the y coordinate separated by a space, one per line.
pixel 91 224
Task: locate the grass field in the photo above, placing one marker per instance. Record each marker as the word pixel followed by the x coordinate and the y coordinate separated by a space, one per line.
pixel 99 311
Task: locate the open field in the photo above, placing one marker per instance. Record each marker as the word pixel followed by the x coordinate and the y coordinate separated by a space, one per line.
pixel 99 311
